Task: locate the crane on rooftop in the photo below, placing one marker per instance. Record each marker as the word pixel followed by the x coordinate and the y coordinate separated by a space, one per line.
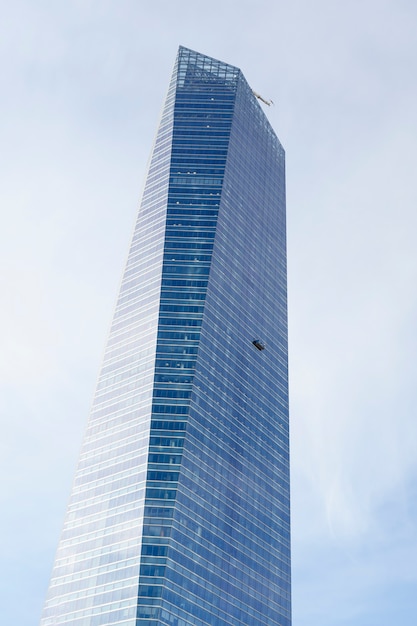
pixel 257 95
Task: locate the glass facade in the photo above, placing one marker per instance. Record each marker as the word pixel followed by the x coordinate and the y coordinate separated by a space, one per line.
pixel 179 513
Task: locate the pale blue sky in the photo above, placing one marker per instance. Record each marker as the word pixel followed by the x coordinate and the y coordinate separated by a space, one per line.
pixel 83 85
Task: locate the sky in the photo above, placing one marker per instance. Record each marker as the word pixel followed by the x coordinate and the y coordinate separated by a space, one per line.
pixel 83 87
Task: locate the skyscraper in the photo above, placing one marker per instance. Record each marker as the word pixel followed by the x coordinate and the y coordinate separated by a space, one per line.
pixel 179 513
